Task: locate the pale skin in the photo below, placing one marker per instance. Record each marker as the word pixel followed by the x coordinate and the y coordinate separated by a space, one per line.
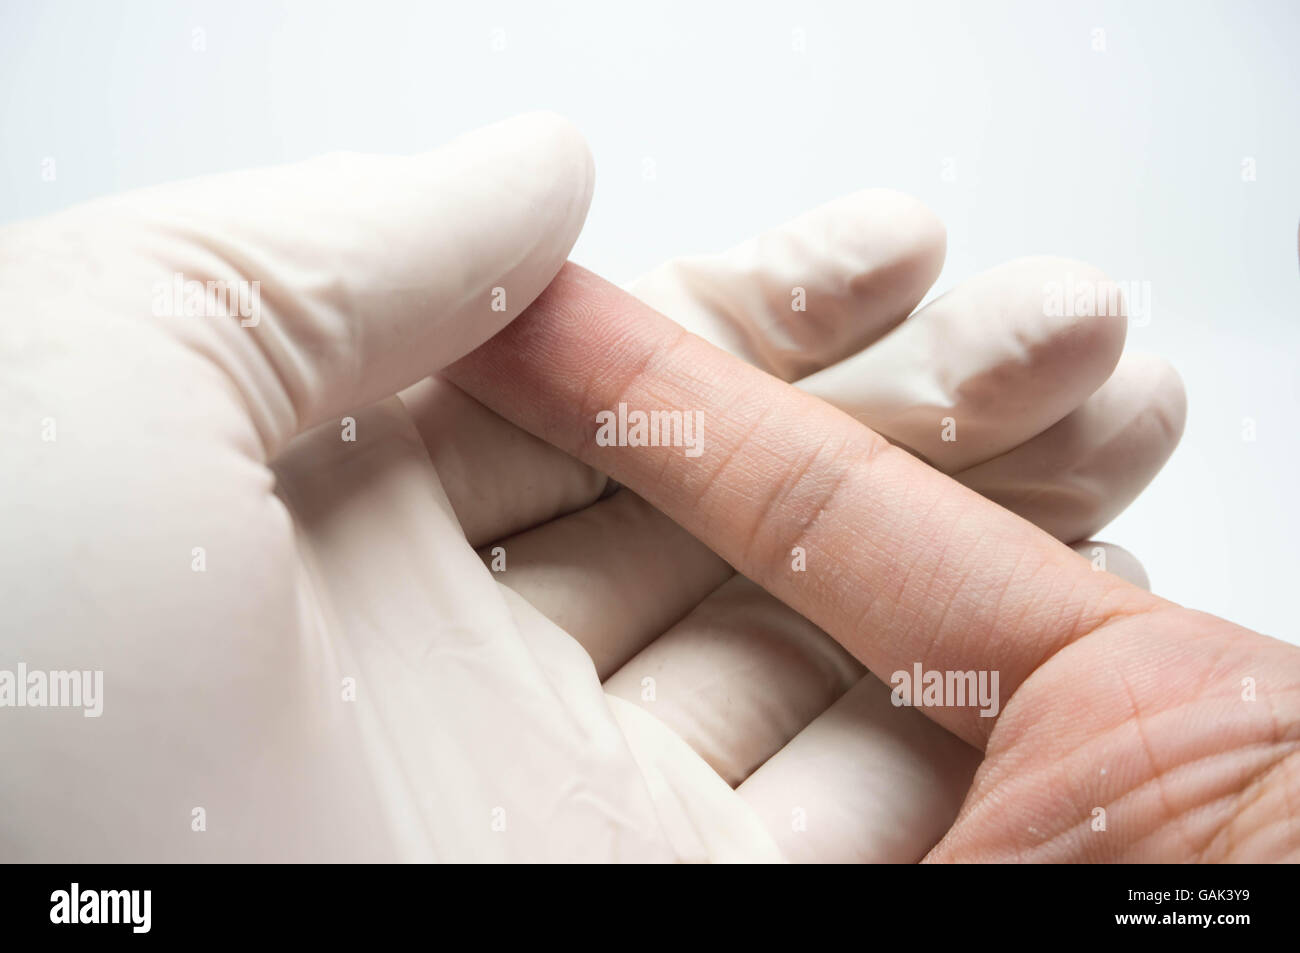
pixel 305 658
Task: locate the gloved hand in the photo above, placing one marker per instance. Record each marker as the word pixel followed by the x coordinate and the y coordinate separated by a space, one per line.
pixel 302 656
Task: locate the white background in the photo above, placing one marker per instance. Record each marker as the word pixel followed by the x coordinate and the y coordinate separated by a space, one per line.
pixel 1129 157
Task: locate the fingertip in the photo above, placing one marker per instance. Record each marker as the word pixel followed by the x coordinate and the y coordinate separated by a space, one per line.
pixel 916 233
pixel 562 146
pixel 1164 395
pixel 1172 397
pixel 1081 308
pixel 551 172
pixel 876 233
pixel 858 264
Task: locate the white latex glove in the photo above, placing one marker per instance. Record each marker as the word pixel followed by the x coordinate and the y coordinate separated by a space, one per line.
pixel 236 586
pixel 332 569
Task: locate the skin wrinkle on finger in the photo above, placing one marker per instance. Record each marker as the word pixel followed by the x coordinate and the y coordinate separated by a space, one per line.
pixel 590 405
pixel 526 372
pixel 822 499
pixel 1214 756
pixel 1157 773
